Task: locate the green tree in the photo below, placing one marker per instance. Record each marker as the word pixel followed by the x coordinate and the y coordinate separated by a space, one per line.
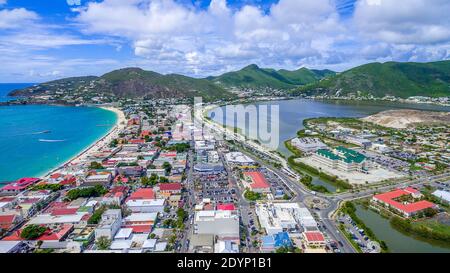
pixel 113 143
pixel 95 166
pixel 96 216
pixel 163 179
pixel 95 191
pixel 51 187
pixel 31 232
pixel 103 243
pixel 429 212
pixel 166 166
pixel 252 196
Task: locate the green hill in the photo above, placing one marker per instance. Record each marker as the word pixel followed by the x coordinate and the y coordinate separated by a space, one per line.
pixel 131 83
pixel 254 77
pixel 391 78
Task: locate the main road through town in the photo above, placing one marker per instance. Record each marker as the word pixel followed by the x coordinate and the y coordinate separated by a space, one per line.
pixel 287 175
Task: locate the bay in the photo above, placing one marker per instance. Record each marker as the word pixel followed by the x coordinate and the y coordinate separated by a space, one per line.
pixel 69 129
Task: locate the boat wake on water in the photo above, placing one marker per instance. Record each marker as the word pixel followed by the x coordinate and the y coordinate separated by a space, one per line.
pixel 52 140
pixel 31 134
pixel 42 132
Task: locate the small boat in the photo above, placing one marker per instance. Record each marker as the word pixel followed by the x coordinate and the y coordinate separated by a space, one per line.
pixel 52 140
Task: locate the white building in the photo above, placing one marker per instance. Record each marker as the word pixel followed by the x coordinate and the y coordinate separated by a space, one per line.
pixel 342 159
pixel 217 222
pixel 213 157
pixel 109 224
pixel 443 195
pixel 146 205
pixel 48 219
pixel 362 142
pixel 226 246
pixel 308 144
pixel 99 179
pixel 202 145
pixel 238 158
pixel 279 217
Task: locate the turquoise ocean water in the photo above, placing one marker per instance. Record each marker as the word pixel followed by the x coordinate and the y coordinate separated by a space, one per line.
pixel 22 154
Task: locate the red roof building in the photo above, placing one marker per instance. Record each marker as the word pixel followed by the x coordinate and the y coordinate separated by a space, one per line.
pixel 68 180
pixel 20 185
pixel 143 193
pixel 56 176
pixel 226 207
pixel 168 154
pixel 64 211
pixel 314 238
pixel 56 234
pixel 115 195
pixel 121 179
pixel 405 208
pixel 134 121
pixel 8 199
pixel 9 221
pixel 145 133
pixel 136 141
pixel 258 182
pixel 170 187
pixel 139 228
pixel 55 206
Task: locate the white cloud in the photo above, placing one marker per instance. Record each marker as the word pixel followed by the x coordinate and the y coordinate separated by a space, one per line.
pixel 173 36
pixel 410 22
pixel 43 40
pixel 24 36
pixel 2 2
pixel 167 33
pixel 16 18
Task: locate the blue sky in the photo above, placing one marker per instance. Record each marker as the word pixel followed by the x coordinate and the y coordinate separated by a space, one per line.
pixel 50 39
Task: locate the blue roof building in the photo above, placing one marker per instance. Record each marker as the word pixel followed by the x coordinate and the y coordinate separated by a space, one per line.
pixel 272 242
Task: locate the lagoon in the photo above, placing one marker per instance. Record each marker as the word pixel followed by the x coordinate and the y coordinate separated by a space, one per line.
pixel 396 241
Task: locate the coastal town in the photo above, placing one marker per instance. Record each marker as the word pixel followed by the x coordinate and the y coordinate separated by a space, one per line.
pixel 224 135
pixel 164 180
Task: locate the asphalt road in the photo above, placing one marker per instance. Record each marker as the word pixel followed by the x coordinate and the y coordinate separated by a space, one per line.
pixel 190 204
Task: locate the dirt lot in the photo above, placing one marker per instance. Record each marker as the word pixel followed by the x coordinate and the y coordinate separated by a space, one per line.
pixel 401 119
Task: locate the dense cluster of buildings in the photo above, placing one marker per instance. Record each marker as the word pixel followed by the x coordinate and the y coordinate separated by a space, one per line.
pixel 110 199
pixel 285 223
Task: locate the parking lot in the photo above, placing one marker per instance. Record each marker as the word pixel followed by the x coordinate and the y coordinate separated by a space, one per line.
pixel 358 235
pixel 387 162
pixel 215 186
pixel 277 186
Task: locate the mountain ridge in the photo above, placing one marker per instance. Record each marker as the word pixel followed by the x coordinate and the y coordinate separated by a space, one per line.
pixel 252 76
pixel 375 79
pixel 399 79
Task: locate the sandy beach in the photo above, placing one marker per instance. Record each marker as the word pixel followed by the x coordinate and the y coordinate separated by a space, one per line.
pixel 99 144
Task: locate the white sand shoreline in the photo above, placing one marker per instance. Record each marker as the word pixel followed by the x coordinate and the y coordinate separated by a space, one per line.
pixel 97 145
